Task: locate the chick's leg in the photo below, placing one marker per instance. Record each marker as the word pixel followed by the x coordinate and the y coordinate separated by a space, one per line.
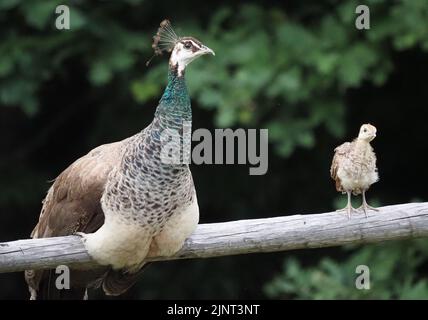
pixel 365 206
pixel 348 207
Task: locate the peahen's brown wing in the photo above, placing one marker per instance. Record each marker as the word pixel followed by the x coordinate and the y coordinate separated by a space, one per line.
pixel 73 205
pixel 340 154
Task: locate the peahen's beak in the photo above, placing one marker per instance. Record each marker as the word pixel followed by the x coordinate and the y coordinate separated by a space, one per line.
pixel 206 50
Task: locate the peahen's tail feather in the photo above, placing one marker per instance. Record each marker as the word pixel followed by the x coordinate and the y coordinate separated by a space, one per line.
pixel 117 282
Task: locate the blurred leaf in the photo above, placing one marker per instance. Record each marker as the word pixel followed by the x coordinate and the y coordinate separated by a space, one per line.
pixel 8 4
pixel 144 91
pixel 336 280
pixel 100 73
pixel 40 13
pixel 77 19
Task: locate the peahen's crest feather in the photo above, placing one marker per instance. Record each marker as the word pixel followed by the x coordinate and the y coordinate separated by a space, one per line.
pixel 165 38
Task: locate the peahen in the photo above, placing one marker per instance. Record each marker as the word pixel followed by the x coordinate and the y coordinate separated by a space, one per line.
pixel 125 202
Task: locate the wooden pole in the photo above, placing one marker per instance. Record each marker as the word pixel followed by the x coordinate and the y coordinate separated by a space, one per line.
pixel 240 237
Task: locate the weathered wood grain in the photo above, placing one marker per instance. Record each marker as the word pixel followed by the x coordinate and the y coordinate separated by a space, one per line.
pixel 240 237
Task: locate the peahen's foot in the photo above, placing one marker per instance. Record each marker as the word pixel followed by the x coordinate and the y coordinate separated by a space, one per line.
pixel 81 235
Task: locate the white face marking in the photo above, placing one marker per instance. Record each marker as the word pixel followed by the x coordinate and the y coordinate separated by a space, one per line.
pixel 367 132
pixel 185 51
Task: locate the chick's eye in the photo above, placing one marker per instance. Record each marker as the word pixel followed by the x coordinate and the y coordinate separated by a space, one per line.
pixel 365 130
pixel 187 45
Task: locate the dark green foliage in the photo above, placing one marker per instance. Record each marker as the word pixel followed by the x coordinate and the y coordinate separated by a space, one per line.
pixel 395 273
pixel 310 66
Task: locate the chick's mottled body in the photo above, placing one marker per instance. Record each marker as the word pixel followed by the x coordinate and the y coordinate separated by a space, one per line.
pixel 354 166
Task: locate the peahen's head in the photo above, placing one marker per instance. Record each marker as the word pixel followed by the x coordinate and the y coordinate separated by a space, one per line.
pixel 183 49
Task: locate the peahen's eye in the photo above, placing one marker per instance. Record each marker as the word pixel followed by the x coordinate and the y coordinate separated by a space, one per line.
pixel 187 45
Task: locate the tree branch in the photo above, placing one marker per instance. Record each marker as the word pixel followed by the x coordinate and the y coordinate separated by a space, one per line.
pixel 240 237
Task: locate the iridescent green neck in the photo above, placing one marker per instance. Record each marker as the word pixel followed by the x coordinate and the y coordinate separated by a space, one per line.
pixel 175 101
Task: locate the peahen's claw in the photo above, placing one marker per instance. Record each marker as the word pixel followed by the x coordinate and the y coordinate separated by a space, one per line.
pixel 81 235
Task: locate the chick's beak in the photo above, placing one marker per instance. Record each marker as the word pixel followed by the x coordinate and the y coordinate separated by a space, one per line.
pixel 206 50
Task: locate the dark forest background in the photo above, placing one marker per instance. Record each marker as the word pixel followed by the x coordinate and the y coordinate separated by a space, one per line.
pixel 299 68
